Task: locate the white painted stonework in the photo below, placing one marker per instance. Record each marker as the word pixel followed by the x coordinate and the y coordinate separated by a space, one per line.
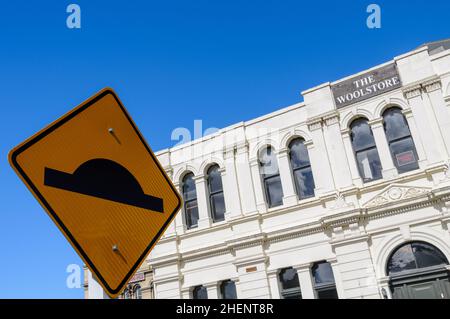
pixel 351 224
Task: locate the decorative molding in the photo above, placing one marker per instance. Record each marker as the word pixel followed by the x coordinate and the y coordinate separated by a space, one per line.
pixel 340 203
pixel 407 112
pixel 345 132
pixel 331 119
pixel 432 85
pixel 199 178
pixel 242 147
pixel 376 123
pixel 314 124
pixel 394 193
pixel 429 85
pixel 412 91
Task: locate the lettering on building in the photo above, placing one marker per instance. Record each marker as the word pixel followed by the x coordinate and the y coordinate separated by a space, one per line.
pixel 367 85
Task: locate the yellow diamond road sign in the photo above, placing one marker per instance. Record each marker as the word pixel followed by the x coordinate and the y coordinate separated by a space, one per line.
pixel 99 181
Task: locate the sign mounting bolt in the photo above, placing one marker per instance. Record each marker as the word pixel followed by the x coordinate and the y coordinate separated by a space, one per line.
pixel 115 248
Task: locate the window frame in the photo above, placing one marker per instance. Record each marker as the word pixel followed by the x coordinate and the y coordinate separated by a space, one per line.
pixel 289 292
pixel 221 289
pixel 326 286
pixel 211 194
pixel 417 268
pixel 137 288
pixel 199 287
pixel 187 201
pixel 390 142
pixel 267 177
pixel 364 150
pixel 300 168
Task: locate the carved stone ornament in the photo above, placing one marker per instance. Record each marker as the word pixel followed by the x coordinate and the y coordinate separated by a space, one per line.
pixel 340 202
pixel 394 193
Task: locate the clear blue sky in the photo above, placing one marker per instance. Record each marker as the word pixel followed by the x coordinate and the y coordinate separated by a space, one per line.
pixel 171 62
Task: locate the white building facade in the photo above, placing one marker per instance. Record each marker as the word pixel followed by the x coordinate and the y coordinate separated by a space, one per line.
pixel 346 194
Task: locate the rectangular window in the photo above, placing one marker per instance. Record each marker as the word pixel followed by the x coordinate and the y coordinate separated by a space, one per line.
pixel 304 182
pixel 218 207
pixel 274 191
pixel 324 284
pixel 191 214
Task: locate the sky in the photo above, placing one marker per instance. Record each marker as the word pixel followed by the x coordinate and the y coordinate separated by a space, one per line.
pixel 170 62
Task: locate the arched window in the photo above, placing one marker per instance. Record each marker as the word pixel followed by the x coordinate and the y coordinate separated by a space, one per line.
pixel 301 168
pixel 366 153
pixel 216 199
pixel 290 286
pixel 190 201
pixel 137 292
pixel 228 290
pixel 400 142
pixel 413 256
pixel 199 292
pixel 127 294
pixel 271 177
pixel 324 283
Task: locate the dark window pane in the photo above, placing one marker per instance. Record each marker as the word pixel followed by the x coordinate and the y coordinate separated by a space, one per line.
pixel 296 295
pixel 427 255
pixel 271 177
pixel 274 191
pixel 329 293
pixel 289 278
pixel 402 259
pixel 214 179
pixel 200 292
pixel 218 207
pixel 404 155
pixel 189 191
pixel 191 210
pixel 298 154
pixel 304 182
pixel 362 137
pixel 400 141
pixel 395 124
pixel 228 290
pixel 369 164
pixel 363 143
pixel 322 273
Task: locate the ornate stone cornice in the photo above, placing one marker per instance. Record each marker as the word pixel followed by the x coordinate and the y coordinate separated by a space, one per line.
pixel 428 85
pixel 331 118
pixel 432 85
pixel 412 91
pixel 392 200
pixel 314 124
